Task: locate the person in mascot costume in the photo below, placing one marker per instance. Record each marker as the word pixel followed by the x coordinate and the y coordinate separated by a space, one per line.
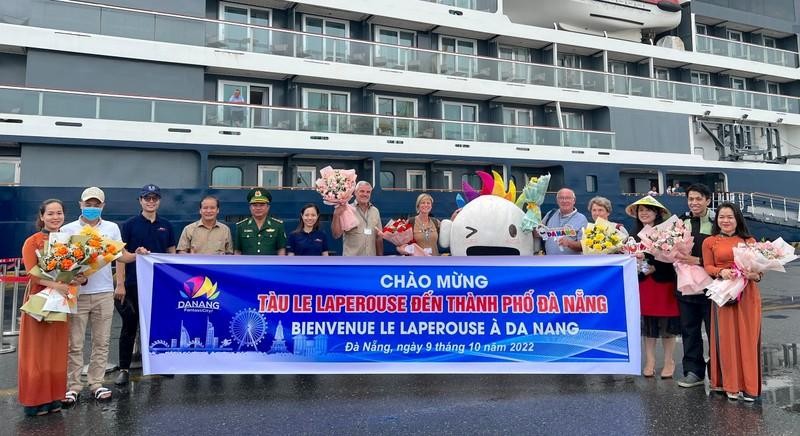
pixel 490 224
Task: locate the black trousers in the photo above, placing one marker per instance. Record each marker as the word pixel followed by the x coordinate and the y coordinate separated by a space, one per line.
pixel 129 312
pixel 695 310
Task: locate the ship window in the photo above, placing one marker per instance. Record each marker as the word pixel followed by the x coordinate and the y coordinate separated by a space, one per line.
pixel 226 176
pixel 663 90
pixel 473 179
pixel 458 65
pixel 306 176
pixel 637 181
pixel 773 88
pixel 9 171
pixel 466 4
pixel 682 180
pixel 390 55
pixel 387 180
pixel 253 94
pixel 702 94
pixel 452 111
pixel 415 180
pixel 447 180
pixel 517 117
pixel 701 29
pixel 327 49
pixel 270 176
pixel 770 42
pixel 513 71
pixel 325 101
pixel 591 183
pixel 396 107
pixel 240 37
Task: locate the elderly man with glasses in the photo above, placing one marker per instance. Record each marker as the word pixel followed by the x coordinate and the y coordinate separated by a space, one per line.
pixel 566 219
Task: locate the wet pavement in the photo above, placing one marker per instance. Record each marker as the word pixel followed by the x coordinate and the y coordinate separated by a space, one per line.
pixel 442 404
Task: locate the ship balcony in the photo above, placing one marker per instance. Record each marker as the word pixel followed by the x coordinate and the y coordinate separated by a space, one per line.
pixel 87 18
pixel 746 51
pixel 476 5
pixel 18 102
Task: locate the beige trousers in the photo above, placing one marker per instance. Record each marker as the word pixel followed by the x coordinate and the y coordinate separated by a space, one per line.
pixel 99 309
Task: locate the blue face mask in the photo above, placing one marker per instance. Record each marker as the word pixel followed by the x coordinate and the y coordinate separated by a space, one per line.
pixel 91 213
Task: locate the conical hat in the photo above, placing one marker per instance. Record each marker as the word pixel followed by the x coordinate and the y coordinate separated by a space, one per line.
pixel 650 201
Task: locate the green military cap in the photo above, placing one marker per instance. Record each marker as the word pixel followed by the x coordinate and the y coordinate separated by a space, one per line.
pixel 259 195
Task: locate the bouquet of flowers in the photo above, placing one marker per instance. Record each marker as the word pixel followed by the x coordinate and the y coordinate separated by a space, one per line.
pixel 336 188
pixel 633 248
pixel 754 257
pixel 601 237
pixel 62 258
pixel 531 199
pixel 100 251
pixel 669 240
pixel 764 256
pixel 401 232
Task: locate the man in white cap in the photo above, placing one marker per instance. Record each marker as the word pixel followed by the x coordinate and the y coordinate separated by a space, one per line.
pixel 95 303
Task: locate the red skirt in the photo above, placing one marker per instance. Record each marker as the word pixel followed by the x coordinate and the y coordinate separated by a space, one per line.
pixel 657 298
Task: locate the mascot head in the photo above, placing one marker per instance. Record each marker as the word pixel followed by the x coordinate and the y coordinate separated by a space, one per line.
pixel 490 224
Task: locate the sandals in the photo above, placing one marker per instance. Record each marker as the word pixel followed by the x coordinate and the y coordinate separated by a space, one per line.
pixel 101 394
pixel 70 398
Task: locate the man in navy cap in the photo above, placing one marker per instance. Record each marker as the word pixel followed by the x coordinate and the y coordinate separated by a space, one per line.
pixel 148 233
pixel 260 234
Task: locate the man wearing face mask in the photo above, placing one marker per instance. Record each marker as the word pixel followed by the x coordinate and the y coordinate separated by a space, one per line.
pixel 95 303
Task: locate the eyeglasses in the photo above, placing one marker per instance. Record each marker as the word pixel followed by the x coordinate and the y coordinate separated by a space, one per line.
pixel 151 199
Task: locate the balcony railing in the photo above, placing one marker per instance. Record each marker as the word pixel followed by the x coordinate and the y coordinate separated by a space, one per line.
pixel 72 104
pixel 156 26
pixel 743 50
pixel 478 5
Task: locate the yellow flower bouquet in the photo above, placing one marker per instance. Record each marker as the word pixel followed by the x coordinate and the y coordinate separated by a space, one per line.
pixel 601 237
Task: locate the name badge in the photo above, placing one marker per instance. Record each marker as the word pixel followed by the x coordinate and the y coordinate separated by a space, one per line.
pixel 367 231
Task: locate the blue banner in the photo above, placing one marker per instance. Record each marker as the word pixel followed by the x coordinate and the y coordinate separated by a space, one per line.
pixel 265 314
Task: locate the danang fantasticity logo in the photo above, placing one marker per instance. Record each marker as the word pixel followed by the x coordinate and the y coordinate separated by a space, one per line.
pixel 198 295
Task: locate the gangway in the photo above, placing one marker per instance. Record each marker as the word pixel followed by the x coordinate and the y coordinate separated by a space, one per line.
pixel 766 208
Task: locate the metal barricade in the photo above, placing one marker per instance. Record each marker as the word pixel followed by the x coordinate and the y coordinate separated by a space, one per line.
pixel 9 280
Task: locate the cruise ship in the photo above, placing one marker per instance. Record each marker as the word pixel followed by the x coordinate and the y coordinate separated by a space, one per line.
pixel 610 97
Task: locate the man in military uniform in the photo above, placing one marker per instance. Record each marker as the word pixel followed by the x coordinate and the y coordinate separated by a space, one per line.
pixel 260 234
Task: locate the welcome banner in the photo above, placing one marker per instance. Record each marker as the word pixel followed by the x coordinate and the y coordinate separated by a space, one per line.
pixel 292 315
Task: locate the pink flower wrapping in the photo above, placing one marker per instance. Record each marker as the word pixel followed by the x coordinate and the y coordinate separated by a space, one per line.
pixel 398 232
pixel 722 291
pixel 692 279
pixel 667 240
pixel 757 257
pixel 336 188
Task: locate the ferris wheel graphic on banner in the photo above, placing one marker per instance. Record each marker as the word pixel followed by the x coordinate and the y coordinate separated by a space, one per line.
pixel 248 328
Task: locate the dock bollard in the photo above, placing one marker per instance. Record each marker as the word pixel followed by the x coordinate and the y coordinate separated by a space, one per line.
pixel 4 347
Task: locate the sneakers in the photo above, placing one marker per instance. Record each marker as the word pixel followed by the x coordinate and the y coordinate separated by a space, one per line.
pixel 733 396
pixel 690 381
pixel 123 378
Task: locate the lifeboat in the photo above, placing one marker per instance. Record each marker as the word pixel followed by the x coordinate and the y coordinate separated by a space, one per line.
pixel 617 18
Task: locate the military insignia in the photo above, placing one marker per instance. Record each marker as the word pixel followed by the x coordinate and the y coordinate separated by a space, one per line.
pixel 270 230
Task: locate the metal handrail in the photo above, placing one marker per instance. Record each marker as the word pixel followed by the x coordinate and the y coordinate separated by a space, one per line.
pixel 758 199
pixel 559 73
pixel 298 110
pixel 747 44
pixel 34 101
